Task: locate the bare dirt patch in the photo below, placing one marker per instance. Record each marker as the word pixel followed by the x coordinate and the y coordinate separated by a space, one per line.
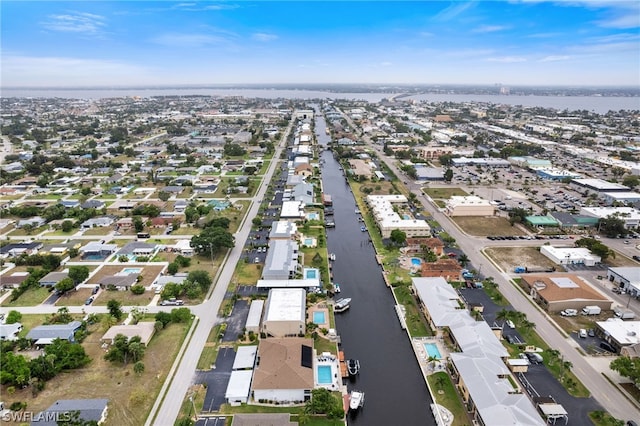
pixel 487 225
pixel 444 193
pixel 510 257
pixel 74 298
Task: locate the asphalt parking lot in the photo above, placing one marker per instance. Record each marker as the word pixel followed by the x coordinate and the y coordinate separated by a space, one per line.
pixel 237 321
pixel 211 421
pixel 542 383
pixel 217 379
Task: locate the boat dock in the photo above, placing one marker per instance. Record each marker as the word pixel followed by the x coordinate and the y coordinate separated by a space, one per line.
pixel 343 365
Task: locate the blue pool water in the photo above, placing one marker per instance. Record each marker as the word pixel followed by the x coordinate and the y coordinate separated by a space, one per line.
pixel 324 375
pixel 416 261
pixel 432 350
pixel 313 216
pixel 406 217
pixel 310 274
pixel 308 241
pixel 131 270
pixel 318 317
pixel 94 257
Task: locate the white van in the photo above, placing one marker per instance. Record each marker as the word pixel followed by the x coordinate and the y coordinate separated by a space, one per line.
pixel 582 333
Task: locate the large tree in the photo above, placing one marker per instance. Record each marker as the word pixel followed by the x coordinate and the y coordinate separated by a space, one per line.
pixel 78 273
pixel 627 367
pixel 65 285
pixel 212 240
pixel 398 237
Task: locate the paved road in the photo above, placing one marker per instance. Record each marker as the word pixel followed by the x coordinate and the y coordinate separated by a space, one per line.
pixel 183 376
pixel 608 395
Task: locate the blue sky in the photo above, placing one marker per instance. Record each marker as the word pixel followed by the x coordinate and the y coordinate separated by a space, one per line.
pixel 528 42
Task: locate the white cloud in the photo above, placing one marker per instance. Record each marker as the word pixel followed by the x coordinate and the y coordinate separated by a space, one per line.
pixel 184 40
pixel 63 71
pixel 632 20
pixel 507 59
pixel 555 58
pixel 451 12
pixel 76 22
pixel 264 37
pixel 490 28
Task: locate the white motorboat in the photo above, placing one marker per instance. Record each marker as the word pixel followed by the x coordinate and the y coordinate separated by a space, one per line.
pixel 342 305
pixel 356 400
pixel 353 366
pixel 332 256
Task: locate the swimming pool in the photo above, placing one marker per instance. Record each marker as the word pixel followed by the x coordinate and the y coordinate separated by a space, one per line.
pixel 310 274
pixel 94 257
pixel 318 317
pixel 415 261
pixel 406 217
pixel 308 241
pixel 432 350
pixel 313 216
pixel 131 270
pixel 324 375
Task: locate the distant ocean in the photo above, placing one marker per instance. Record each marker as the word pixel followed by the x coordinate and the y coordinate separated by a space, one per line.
pixel 597 104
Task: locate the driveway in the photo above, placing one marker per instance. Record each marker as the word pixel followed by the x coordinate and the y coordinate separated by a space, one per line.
pixel 237 321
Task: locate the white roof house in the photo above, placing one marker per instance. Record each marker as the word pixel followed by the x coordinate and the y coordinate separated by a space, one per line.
pixel 292 210
pixel 285 312
pixel 388 220
pixel 570 255
pixel 283 230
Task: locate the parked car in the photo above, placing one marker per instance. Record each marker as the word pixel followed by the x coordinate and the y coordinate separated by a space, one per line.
pixel 582 333
pixel 607 347
pixel 591 332
pixel 534 358
pixel 89 301
pixel 510 324
pixel 95 289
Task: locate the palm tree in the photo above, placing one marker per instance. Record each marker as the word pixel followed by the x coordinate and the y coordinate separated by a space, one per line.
pixel 463 259
pixel 440 381
pixel 566 366
pixel 554 354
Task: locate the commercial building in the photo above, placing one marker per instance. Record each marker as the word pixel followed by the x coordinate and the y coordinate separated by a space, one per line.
pixel 433 152
pixel 469 205
pixel 629 215
pixel 285 312
pixel 597 186
pixel 556 292
pixel 621 197
pixel 623 336
pixel 570 255
pixel 574 221
pixel 551 173
pixel 387 219
pixel 627 278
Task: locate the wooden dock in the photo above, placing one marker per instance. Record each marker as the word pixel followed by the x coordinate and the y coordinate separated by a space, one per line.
pixel 343 365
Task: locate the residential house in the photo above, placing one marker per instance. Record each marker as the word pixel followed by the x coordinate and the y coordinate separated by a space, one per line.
pixel 417 245
pixel 10 331
pixel 96 222
pixel 304 170
pixel 93 204
pixel 285 312
pixel 284 371
pixel 449 269
pixel 14 280
pixel 303 192
pixel 89 410
pixel 53 278
pixel 120 282
pixel 45 334
pixel 34 222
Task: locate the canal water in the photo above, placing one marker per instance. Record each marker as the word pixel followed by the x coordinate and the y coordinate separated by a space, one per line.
pixel 390 377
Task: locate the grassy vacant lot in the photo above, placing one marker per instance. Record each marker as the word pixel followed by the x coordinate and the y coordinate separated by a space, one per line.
pixel 74 298
pixel 444 193
pixel 447 396
pixel 31 297
pixel 247 273
pixel 100 230
pixel 508 258
pixel 130 395
pixel 620 261
pixel 483 225
pixel 377 188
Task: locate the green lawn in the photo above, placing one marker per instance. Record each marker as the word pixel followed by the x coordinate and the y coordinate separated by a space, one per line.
pixel 446 395
pixel 207 357
pixel 31 297
pixel 414 318
pixel 601 418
